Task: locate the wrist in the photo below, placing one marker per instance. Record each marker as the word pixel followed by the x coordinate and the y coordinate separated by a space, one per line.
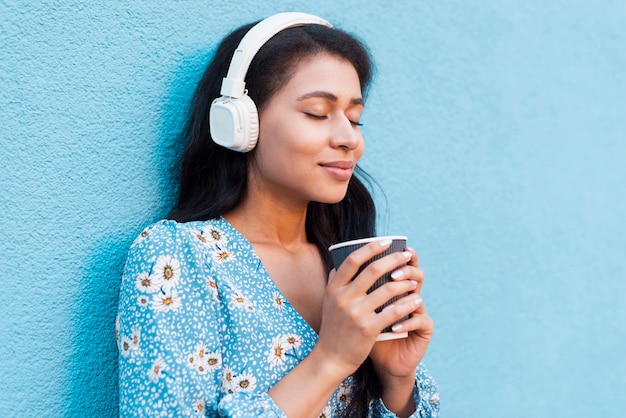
pixel 397 394
pixel 326 365
pixel 394 381
pixel 308 386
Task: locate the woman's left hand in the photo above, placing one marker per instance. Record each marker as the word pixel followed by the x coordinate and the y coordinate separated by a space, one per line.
pixel 395 361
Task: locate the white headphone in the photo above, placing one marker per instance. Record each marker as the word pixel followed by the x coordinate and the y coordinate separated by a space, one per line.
pixel 233 117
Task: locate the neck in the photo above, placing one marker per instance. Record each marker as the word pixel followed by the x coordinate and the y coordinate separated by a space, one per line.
pixel 268 221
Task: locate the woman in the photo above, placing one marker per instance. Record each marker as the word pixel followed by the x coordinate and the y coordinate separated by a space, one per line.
pixel 232 306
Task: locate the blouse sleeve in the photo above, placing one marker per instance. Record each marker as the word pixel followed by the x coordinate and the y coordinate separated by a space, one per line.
pixel 426 396
pixel 168 333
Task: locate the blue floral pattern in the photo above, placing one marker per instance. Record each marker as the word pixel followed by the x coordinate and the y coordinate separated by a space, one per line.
pixel 203 330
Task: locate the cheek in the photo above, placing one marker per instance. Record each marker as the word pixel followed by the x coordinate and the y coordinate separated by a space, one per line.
pixel 360 150
pixel 273 155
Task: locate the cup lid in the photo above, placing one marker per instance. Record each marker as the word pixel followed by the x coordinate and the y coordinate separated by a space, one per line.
pixel 365 241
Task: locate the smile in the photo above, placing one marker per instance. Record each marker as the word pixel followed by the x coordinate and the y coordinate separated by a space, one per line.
pixel 340 170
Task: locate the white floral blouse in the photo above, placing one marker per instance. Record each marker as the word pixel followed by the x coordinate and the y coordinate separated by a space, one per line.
pixel 203 330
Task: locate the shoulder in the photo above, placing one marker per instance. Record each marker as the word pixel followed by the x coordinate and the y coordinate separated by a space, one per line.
pixel 170 256
pixel 187 240
pixel 169 232
pixel 162 230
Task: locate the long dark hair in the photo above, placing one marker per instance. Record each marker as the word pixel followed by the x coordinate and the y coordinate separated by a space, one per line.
pixel 213 179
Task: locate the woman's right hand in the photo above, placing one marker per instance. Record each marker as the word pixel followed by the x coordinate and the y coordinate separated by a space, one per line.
pixel 350 323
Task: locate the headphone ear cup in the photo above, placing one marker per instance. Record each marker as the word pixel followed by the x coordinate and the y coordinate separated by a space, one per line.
pixel 251 125
pixel 234 123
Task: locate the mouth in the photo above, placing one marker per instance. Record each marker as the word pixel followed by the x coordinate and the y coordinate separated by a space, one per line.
pixel 343 164
pixel 340 170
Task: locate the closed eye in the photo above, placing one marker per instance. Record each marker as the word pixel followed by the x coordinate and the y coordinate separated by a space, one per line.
pixel 316 117
pixel 324 117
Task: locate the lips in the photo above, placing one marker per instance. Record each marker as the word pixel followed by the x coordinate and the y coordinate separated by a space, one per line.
pixel 340 170
pixel 344 165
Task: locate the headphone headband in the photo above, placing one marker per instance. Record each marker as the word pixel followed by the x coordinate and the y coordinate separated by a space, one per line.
pixel 233 117
pixel 233 85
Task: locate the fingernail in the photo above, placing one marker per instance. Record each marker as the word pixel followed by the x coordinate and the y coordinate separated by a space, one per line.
pixel 384 242
pixel 414 284
pixel 397 327
pixel 414 302
pixel 397 274
pixel 407 254
pixel 386 308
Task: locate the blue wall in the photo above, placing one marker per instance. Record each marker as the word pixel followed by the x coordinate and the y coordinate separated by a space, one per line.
pixel 497 130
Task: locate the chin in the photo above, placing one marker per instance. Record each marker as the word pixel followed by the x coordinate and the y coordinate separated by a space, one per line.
pixel 332 199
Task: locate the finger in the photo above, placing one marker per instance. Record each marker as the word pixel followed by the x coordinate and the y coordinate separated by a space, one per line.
pixel 409 273
pixel 331 276
pixel 408 305
pixel 382 295
pixel 417 323
pixel 400 309
pixel 421 310
pixel 415 259
pixel 418 274
pixel 378 268
pixel 350 266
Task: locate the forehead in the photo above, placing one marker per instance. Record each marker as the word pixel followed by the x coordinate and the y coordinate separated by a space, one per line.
pixel 323 72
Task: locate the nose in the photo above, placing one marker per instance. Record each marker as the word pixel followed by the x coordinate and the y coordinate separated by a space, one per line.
pixel 344 134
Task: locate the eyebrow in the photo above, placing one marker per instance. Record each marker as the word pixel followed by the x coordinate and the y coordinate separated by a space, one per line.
pixel 329 96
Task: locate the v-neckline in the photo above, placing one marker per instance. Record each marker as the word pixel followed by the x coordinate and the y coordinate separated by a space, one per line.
pixel 267 277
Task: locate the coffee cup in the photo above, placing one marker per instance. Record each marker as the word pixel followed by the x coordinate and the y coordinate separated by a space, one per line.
pixel 341 250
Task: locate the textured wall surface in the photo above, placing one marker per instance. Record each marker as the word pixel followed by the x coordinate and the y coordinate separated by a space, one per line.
pixel 497 130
